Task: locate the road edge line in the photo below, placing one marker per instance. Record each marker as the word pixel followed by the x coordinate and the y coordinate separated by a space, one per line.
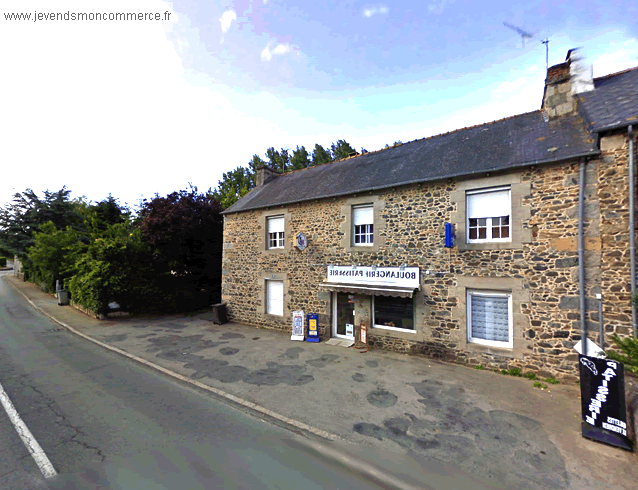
pixel 233 398
pixel 30 442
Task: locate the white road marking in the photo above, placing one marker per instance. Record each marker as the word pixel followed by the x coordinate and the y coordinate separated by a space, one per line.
pixel 32 445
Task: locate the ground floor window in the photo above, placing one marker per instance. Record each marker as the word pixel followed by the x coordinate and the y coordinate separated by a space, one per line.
pixel 275 297
pixel 391 312
pixel 489 318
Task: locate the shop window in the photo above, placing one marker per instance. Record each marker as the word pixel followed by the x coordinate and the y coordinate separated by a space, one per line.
pixel 363 222
pixel 275 298
pixel 488 215
pixel 489 318
pixel 393 313
pixel 275 232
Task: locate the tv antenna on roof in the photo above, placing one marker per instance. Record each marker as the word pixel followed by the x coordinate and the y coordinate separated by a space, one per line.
pixel 546 43
pixel 521 32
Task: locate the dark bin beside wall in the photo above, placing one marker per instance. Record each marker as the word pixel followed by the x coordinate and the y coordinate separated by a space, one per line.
pixel 219 314
pixel 63 297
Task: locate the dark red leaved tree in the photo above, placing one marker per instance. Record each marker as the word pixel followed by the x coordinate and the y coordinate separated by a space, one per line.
pixel 185 230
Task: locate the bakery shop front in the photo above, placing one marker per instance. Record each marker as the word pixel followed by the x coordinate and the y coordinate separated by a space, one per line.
pixel 380 297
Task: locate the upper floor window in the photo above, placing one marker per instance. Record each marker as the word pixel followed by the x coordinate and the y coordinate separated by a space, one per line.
pixel 275 232
pixel 488 215
pixel 363 222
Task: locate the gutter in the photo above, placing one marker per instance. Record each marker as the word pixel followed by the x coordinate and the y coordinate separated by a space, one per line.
pixel 632 227
pixel 581 256
pixel 588 154
pixel 610 127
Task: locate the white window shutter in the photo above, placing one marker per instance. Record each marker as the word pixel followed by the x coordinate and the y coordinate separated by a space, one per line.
pixel 490 318
pixel 276 225
pixel 363 215
pixel 488 204
pixel 275 297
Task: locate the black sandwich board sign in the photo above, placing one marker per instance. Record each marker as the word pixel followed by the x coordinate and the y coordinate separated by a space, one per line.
pixel 602 392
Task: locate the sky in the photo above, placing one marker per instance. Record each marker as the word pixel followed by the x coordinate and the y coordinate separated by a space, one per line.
pixel 194 89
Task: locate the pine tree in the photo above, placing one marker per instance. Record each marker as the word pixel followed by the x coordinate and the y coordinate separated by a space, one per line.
pixel 320 155
pixel 341 149
pixel 299 158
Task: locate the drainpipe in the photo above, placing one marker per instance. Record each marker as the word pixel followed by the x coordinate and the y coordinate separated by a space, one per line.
pixel 632 228
pixel 581 255
pixel 601 326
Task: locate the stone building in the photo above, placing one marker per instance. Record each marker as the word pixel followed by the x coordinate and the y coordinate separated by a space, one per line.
pixel 508 293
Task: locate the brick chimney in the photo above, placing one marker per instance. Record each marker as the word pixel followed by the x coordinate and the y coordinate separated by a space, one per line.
pixel 264 174
pixel 563 82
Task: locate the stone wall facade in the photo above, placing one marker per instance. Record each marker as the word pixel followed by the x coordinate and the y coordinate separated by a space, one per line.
pixel 539 267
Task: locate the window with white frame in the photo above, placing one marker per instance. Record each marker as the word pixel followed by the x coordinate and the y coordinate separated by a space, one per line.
pixel 489 318
pixel 393 313
pixel 275 232
pixel 363 222
pixel 488 215
pixel 275 297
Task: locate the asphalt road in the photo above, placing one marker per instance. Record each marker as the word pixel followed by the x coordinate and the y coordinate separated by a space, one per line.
pixel 106 422
pixel 99 416
pixel 86 405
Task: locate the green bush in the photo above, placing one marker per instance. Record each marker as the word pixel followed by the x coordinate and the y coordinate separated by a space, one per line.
pixel 115 268
pixel 530 376
pixel 509 372
pixel 628 354
pixel 3 261
pixel 119 266
pixel 540 385
pixel 479 367
pixel 53 255
pixel 551 380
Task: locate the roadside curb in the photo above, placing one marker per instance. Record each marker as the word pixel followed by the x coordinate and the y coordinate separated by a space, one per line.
pixel 235 399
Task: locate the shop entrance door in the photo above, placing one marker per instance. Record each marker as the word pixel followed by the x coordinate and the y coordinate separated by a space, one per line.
pixel 343 316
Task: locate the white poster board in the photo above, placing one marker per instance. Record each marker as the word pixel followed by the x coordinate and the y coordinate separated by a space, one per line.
pixel 297 325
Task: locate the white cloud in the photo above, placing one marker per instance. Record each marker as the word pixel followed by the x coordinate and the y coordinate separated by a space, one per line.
pixel 266 54
pixel 519 85
pixel 121 101
pixel 369 12
pixel 226 19
pixel 618 57
pixel 281 49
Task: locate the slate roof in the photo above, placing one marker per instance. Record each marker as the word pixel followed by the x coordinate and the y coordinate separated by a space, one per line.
pixel 614 101
pixel 517 141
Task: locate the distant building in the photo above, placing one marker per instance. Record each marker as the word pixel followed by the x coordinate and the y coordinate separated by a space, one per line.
pixel 507 294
